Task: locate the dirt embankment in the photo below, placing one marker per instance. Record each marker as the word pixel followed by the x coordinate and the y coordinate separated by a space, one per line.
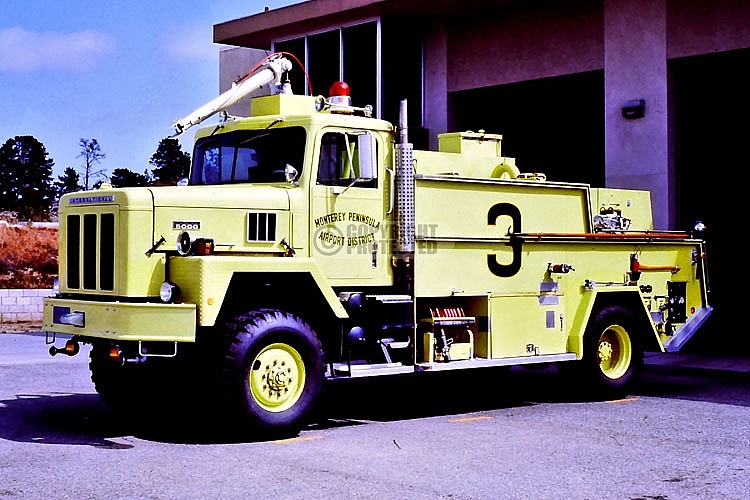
pixel 28 256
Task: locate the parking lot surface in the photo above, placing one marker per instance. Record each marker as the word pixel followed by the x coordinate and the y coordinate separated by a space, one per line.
pixel 684 434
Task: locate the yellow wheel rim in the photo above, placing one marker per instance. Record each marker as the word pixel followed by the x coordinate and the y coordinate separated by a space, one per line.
pixel 615 352
pixel 277 377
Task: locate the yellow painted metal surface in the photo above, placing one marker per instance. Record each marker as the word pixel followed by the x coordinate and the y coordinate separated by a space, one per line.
pixel 204 280
pixel 635 204
pixel 125 321
pixel 135 274
pixel 349 226
pixel 521 326
pixel 503 238
pixel 459 207
pixel 282 104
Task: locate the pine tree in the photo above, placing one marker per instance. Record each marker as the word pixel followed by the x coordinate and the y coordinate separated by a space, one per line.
pixel 172 164
pixel 69 182
pixel 122 177
pixel 26 178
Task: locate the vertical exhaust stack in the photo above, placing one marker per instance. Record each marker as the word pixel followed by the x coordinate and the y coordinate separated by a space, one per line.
pixel 403 252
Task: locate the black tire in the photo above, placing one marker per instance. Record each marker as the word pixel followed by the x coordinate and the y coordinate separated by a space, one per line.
pixel 119 386
pixel 274 370
pixel 156 386
pixel 612 355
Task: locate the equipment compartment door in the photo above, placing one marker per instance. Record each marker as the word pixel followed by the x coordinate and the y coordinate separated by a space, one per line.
pixel 526 326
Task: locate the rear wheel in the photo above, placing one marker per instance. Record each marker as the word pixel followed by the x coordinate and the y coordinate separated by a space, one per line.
pixel 273 370
pixel 612 355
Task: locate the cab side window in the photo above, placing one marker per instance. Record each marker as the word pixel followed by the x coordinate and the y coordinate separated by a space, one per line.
pixel 348 159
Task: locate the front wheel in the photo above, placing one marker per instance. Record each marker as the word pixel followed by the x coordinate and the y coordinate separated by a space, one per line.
pixel 273 370
pixel 612 356
pixel 158 385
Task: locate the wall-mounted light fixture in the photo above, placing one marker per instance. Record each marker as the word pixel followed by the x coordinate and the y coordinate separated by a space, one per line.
pixel 633 109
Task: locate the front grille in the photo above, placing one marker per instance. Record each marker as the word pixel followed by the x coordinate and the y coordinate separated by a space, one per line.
pixel 261 226
pixel 90 245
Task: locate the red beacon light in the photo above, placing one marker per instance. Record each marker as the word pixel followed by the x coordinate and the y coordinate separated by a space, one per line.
pixel 339 95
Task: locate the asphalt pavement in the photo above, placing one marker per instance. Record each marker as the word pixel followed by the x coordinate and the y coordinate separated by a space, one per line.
pixel 739 365
pixel 683 435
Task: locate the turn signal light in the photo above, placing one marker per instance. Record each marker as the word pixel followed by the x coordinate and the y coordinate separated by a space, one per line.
pixel 71 349
pixel 115 354
pixel 204 246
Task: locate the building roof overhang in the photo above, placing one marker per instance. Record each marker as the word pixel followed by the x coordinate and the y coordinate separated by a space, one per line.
pixel 260 30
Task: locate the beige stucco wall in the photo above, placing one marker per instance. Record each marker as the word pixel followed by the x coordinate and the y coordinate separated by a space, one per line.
pixel 525 43
pixel 437 113
pixel 234 63
pixel 702 27
pixel 637 151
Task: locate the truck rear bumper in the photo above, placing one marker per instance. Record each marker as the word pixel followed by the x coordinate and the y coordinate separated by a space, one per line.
pixel 120 320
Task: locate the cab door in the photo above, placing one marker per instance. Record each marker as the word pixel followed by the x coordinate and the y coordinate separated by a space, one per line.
pixel 349 235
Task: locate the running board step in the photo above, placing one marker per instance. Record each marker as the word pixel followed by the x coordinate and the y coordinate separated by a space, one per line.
pixel 488 363
pixel 374 370
pixel 370 370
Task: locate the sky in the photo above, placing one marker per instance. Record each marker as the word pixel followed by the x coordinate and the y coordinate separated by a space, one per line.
pixel 121 72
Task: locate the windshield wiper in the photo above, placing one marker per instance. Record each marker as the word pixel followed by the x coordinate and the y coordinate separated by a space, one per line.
pixel 263 132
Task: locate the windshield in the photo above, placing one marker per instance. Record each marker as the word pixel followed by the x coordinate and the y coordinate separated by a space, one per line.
pixel 248 156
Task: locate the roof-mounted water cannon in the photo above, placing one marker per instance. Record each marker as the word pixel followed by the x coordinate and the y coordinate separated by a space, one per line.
pixel 270 72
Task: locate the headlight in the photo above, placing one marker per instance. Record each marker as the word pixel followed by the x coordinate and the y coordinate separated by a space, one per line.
pixel 169 292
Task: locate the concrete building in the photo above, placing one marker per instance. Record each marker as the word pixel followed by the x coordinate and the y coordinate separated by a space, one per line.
pixel 646 94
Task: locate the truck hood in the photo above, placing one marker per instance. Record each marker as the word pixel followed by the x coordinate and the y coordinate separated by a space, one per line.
pixel 231 196
pixel 238 217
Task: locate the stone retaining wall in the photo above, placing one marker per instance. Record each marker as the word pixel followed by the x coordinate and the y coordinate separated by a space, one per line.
pixel 22 305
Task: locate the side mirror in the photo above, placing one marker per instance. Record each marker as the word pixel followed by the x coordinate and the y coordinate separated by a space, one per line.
pixel 290 173
pixel 367 159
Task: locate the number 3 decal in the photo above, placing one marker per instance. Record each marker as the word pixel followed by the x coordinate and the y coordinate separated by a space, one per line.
pixel 506 270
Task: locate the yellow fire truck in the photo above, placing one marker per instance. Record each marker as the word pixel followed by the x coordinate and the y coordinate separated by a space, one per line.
pixel 313 242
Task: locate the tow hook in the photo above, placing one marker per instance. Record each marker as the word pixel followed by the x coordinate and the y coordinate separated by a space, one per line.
pixel 71 349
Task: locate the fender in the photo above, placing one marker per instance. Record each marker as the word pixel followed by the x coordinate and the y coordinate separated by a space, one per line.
pixel 597 296
pixel 205 280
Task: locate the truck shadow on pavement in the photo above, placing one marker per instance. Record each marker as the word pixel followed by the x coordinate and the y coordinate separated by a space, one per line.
pixel 73 419
pixel 433 394
pixel 83 419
